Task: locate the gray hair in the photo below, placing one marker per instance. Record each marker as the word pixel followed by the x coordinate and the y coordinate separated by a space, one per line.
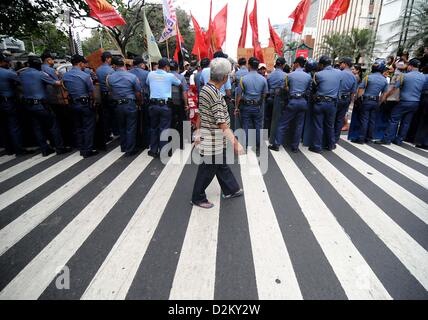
pixel 220 67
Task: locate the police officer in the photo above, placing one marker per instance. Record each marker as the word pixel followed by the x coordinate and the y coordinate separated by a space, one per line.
pixel 410 85
pixel 205 63
pixel 47 66
pixel 10 126
pixel 373 86
pixel 326 86
pixel 34 83
pixel 179 101
pixel 106 121
pixel 160 82
pixel 297 84
pixel 243 70
pixel 275 101
pixel 81 90
pixel 254 89
pixel 143 135
pixel 348 88
pixel 126 93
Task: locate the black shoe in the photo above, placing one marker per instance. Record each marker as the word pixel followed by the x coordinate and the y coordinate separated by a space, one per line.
pixel 48 152
pixel 131 153
pixel 357 141
pixel 273 147
pixel 24 152
pixel 397 143
pixel 331 148
pixel 295 150
pixel 89 154
pixel 153 154
pixel 63 150
pixel 315 150
pixel 421 146
pixel 383 142
pixel 237 194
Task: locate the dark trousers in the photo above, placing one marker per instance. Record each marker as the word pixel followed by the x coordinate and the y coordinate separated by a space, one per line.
pixel 279 103
pixel 103 127
pixel 43 119
pixel 213 166
pixel 401 115
pixel 323 124
pixel 10 127
pixel 84 118
pixel 160 120
pixel 252 118
pixel 178 117
pixel 342 109
pixel 421 136
pixel 367 119
pixel 63 114
pixel 127 117
pixel 294 114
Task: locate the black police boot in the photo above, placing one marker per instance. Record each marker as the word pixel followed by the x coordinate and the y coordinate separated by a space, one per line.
pixel 47 152
pixel 273 147
pixel 383 142
pixel 421 146
pixel 153 154
pixel 89 154
pixel 63 150
pixel 295 150
pixel 131 153
pixel 312 149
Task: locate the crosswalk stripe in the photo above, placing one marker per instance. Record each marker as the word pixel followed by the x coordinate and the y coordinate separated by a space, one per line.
pixel 341 253
pixel 36 276
pixel 115 276
pixel 415 205
pixel 21 226
pixel 412 174
pixel 195 274
pixel 275 276
pixel 408 251
pixel 412 145
pixel 408 154
pixel 36 181
pixel 6 158
pixel 22 166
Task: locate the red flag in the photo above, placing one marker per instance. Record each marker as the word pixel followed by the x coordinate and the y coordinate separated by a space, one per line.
pixel 337 8
pixel 299 15
pixel 254 25
pixel 243 38
pixel 199 48
pixel 220 26
pixel 209 34
pixel 105 13
pixel 275 39
pixel 180 53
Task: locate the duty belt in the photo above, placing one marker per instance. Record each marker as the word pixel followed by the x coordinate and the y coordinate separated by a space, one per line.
pixel 82 100
pixel 297 95
pixel 252 102
pixel 33 102
pixel 371 98
pixel 160 102
pixel 344 96
pixel 122 101
pixel 324 99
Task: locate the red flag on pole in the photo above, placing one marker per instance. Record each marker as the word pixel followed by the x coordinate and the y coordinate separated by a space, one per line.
pixel 337 8
pixel 180 54
pixel 105 13
pixel 220 26
pixel 275 39
pixel 254 25
pixel 209 34
pixel 243 38
pixel 299 15
pixel 199 48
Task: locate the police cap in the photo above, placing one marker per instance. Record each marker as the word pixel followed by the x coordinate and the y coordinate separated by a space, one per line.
pixel 415 63
pixel 45 55
pixel 117 61
pixel 35 62
pixel 280 61
pixel 106 55
pixel 242 61
pixel 253 62
pixel 301 61
pixel 220 54
pixel 205 62
pixel 325 61
pixel 174 65
pixel 347 61
pixel 163 63
pixel 77 58
pixel 138 60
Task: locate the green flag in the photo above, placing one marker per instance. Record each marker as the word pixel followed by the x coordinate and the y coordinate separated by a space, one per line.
pixel 151 47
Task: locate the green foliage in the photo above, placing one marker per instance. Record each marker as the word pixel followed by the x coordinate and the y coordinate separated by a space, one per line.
pixel 98 36
pixel 48 38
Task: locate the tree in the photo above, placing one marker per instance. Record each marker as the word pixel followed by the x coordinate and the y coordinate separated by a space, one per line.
pixel 48 37
pixel 361 43
pixel 99 38
pixel 334 45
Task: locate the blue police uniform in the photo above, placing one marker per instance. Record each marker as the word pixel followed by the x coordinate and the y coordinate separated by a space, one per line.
pixel 91 73
pixel 123 86
pixel 411 86
pixel 80 87
pixel 160 83
pixel 142 76
pixel 254 86
pixel 421 138
pixel 107 119
pixel 348 88
pixel 50 71
pixel 298 84
pixel 206 76
pixel 34 93
pixel 10 126
pixel 275 102
pixel 327 84
pixel 243 71
pixel 178 111
pixel 374 85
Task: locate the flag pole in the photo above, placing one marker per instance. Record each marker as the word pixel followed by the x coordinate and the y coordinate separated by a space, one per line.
pixel 167 49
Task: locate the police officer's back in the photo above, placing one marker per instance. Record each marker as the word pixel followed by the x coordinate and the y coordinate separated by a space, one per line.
pixel 160 82
pixel 326 85
pixel 81 92
pixel 126 93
